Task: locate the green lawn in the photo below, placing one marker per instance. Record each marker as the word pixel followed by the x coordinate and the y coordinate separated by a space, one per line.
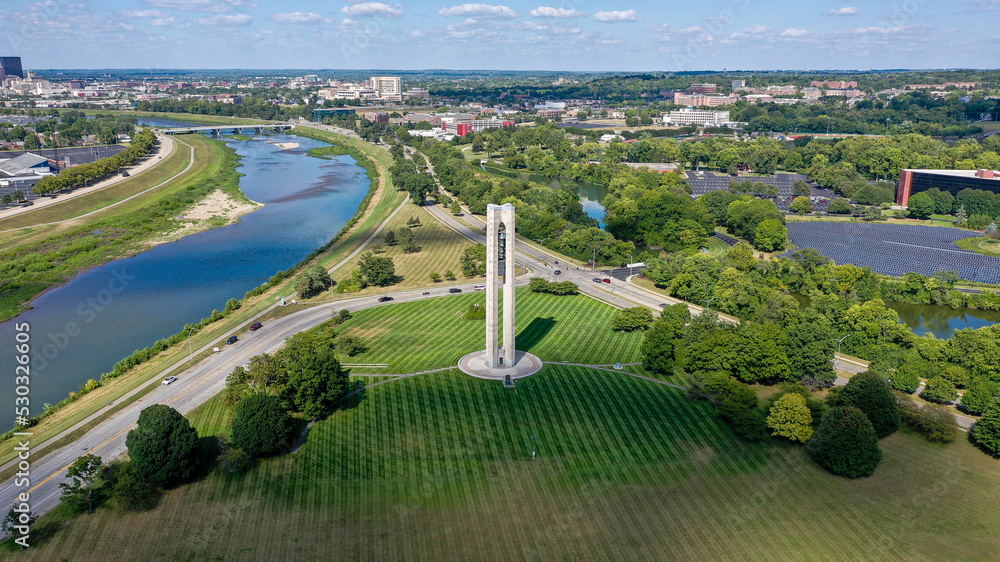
pixel 412 337
pixel 983 245
pixel 438 467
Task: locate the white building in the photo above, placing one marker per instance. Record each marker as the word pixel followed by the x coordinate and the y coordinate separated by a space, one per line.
pixel 389 87
pixel 701 117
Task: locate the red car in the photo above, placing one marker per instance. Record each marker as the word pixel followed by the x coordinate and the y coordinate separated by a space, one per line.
pixel 606 280
pixel 256 326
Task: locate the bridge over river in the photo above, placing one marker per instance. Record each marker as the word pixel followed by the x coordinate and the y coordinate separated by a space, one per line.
pixel 218 129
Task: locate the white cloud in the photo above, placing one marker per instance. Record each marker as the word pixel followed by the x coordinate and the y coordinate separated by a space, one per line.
pixel 194 5
pixel 297 17
pixel 225 20
pixel 616 16
pixel 163 21
pixel 793 32
pixel 478 10
pixel 145 14
pixel 758 29
pixel 549 12
pixel 845 11
pixel 365 9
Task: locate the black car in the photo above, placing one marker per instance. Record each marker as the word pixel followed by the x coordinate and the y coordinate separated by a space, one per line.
pixel 384 299
pixel 454 290
pixel 557 272
pixel 232 340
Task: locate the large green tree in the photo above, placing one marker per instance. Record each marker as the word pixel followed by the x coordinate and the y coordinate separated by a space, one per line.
pixel 377 271
pixel 845 443
pixel 659 347
pixel 986 431
pixel 632 319
pixel 921 205
pixel 980 396
pixel 261 425
pixel 84 475
pixel 790 417
pixel 163 446
pixel 771 235
pixel 759 353
pixel 872 394
pixel 314 379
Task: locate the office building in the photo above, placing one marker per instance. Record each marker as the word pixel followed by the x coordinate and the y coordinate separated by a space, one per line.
pixel 703 88
pixel 701 117
pixel 710 100
pixel 952 181
pixel 739 84
pixel 389 87
pixel 11 66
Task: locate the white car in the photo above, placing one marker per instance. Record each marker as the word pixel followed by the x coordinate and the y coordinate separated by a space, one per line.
pixel 168 380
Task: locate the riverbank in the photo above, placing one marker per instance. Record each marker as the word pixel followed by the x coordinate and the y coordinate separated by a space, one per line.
pixel 29 270
pixel 215 210
pixel 89 409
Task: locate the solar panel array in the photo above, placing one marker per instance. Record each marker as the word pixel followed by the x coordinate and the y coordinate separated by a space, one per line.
pixel 896 249
pixel 707 182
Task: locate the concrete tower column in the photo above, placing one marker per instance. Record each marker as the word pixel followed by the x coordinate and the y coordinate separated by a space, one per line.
pixel 500 261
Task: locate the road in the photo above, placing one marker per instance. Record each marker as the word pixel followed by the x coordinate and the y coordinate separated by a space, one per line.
pixel 164 148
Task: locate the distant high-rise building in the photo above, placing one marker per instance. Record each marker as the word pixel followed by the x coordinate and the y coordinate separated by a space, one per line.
pixel 703 88
pixel 388 86
pixel 12 66
pixel 739 84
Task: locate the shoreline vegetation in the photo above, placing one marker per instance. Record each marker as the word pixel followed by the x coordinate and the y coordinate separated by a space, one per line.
pixel 250 305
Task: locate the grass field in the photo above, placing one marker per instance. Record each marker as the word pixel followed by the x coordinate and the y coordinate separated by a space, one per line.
pixel 983 245
pixel 439 467
pixel 440 251
pixel 435 334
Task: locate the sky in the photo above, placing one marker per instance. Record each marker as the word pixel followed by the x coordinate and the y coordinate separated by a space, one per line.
pixel 567 35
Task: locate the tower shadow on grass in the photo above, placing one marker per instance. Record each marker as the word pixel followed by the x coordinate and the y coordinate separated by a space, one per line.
pixel 529 337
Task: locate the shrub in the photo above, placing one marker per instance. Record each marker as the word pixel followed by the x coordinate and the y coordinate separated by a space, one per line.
pixel 632 319
pixel 234 461
pixel 956 375
pixel 933 422
pixel 846 443
pixel 940 390
pixel 351 345
pixel 475 312
pixel 980 395
pixel 906 378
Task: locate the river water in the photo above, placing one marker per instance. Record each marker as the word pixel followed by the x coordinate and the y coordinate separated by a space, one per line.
pixel 81 329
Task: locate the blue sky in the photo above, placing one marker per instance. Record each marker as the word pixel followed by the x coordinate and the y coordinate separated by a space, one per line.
pixel 625 35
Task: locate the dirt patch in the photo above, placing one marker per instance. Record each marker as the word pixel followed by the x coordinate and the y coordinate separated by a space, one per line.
pixel 216 209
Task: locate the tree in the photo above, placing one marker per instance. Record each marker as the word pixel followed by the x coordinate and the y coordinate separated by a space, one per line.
pixel 770 236
pixel 377 271
pixel 933 422
pixel 801 188
pixel 961 215
pixel 7 199
pixel 872 394
pixel 163 446
pixel 790 417
pixel 351 345
pixel 810 351
pixel 19 522
pixel 132 492
pixel 986 431
pixel 659 346
pixel 456 208
pixel 921 205
pixel 845 443
pixel 840 206
pixel 314 281
pixel 632 319
pixel 261 425
pixel 449 275
pixel 473 261
pixel 801 205
pixel 940 390
pixel 980 395
pixel 435 277
pixel 84 475
pixel 314 379
pixel 390 237
pixel 758 353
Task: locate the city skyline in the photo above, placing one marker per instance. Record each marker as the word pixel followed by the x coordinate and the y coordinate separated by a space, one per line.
pixel 572 35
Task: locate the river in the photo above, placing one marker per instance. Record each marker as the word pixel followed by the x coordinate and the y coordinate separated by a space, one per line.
pixel 81 329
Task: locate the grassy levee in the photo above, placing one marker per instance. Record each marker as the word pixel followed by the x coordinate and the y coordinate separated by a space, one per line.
pixel 384 200
pixel 76 206
pixel 440 467
pixel 47 259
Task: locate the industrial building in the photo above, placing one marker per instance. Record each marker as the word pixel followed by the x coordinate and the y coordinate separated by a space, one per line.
pixel 952 181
